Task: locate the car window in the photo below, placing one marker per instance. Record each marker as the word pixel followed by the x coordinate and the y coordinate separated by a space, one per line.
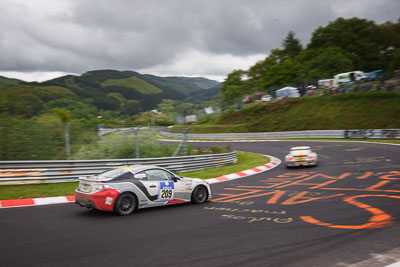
pixel 158 175
pixel 114 173
pixel 140 176
pixel 126 176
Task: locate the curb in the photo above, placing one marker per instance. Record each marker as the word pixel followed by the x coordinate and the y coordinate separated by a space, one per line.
pixel 14 203
pixel 219 141
pixel 272 164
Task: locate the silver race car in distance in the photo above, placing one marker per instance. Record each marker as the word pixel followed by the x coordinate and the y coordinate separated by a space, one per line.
pixel 125 189
pixel 301 156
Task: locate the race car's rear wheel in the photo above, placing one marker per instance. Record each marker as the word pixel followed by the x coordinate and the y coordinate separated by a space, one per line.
pixel 125 204
pixel 199 195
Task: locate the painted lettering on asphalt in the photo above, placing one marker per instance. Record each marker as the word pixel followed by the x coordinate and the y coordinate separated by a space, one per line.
pixel 250 219
pixel 275 190
pixel 245 210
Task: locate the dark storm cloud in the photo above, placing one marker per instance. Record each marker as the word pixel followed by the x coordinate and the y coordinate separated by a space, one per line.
pixel 80 35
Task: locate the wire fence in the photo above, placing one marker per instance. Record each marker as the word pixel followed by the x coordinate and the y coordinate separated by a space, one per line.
pixel 39 140
pixel 56 140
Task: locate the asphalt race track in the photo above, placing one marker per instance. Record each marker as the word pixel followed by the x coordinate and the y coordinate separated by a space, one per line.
pixel 344 211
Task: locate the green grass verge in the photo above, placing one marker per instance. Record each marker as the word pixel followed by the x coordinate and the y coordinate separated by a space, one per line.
pixel 37 190
pixel 246 160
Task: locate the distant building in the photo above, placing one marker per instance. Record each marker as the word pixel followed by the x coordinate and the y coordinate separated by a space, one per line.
pixel 191 119
pixel 208 110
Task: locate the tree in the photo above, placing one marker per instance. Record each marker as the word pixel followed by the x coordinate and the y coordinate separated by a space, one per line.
pixel 107 103
pixel 118 97
pixel 341 46
pixel 187 108
pixel 78 109
pixel 394 63
pixel 359 38
pixel 234 86
pixel 284 73
pixel 167 106
pixel 291 46
pixel 27 100
pixel 390 44
pixel 131 107
pixel 323 63
pixel 63 114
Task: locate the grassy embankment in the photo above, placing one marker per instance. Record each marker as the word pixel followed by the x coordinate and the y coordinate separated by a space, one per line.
pixel 245 161
pixel 364 110
pixel 392 141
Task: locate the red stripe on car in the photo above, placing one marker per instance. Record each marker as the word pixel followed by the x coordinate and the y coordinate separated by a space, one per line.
pixel 175 201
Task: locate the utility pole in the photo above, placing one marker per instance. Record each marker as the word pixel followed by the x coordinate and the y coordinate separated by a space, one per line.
pixel 67 146
pixel 183 142
pixel 99 127
pixel 136 133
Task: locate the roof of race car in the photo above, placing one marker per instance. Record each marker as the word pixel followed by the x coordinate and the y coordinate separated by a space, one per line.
pixel 139 168
pixel 300 148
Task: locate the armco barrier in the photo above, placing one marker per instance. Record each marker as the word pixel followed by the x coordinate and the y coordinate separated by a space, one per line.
pixel 54 171
pixel 367 133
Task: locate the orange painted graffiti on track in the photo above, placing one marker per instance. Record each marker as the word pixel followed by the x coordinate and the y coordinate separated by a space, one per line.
pixel 379 218
pixel 277 193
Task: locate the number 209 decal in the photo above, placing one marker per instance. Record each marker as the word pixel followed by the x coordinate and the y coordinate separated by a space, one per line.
pixel 166 191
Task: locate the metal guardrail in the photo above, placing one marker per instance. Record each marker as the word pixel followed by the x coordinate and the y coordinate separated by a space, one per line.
pixel 362 134
pixel 55 171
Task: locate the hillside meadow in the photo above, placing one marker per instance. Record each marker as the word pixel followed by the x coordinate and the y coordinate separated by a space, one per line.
pixel 365 110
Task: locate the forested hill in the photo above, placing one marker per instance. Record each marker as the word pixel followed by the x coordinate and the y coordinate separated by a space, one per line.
pixel 343 45
pixel 122 93
pixel 4 81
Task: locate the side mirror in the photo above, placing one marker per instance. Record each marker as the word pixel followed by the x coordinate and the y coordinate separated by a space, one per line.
pixel 176 178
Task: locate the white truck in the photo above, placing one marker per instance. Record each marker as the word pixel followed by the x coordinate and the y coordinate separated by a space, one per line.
pixel 346 77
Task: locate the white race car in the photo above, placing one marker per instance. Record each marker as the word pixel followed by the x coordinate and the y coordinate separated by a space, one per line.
pixel 127 188
pixel 301 156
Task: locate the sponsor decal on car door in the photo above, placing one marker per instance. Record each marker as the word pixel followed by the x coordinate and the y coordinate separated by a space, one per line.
pixel 166 191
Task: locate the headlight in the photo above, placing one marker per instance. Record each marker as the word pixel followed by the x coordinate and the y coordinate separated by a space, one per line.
pixel 101 187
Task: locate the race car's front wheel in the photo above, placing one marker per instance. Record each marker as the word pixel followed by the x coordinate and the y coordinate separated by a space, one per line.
pixel 199 195
pixel 125 204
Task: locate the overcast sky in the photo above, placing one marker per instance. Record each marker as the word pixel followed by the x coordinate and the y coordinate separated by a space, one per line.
pixel 43 39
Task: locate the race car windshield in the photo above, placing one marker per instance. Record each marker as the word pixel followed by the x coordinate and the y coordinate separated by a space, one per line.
pixel 300 148
pixel 112 173
pixel 300 152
